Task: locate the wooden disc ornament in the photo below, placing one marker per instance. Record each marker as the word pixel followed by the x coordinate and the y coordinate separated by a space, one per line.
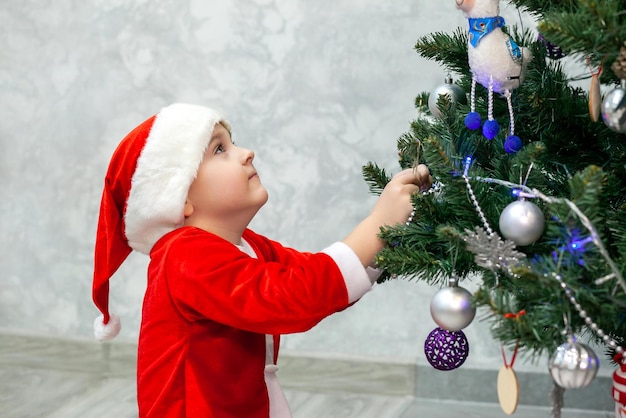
pixel 595 95
pixel 508 387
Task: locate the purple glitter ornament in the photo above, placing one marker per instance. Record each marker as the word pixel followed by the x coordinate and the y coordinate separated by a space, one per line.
pixel 446 350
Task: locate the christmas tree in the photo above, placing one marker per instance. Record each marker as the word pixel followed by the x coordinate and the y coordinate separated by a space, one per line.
pixel 529 199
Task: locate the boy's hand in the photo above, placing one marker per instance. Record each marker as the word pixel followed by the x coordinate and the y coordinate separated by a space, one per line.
pixel 394 204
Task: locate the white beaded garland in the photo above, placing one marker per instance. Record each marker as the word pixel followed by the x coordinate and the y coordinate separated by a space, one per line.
pixel 588 321
pixel 410 218
pixel 476 204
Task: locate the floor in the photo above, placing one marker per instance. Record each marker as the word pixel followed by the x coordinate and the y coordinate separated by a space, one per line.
pixel 67 379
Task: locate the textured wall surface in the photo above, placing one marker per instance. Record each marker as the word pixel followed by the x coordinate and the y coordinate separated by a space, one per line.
pixel 317 89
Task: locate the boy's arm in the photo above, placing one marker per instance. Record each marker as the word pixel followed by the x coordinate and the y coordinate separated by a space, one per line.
pixel 393 206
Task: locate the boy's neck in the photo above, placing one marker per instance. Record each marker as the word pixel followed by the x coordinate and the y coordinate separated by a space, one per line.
pixel 230 232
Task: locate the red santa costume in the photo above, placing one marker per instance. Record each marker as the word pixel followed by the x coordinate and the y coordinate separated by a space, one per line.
pixel 213 311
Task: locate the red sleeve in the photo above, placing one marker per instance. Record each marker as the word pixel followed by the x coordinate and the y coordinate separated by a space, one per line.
pixel 283 291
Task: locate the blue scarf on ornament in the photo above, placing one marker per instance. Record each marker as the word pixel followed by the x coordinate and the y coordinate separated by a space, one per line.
pixel 479 27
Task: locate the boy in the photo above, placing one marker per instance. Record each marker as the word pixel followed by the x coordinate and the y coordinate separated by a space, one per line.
pixel 219 295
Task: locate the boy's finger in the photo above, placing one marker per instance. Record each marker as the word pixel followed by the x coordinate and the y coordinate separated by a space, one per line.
pixel 421 171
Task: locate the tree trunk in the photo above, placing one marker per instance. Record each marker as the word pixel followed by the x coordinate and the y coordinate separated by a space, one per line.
pixel 557 400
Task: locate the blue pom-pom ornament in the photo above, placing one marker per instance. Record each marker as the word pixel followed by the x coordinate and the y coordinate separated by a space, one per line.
pixel 491 128
pixel 512 144
pixel 472 120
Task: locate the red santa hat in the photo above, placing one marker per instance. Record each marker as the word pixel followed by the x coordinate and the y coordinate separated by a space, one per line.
pixel 144 193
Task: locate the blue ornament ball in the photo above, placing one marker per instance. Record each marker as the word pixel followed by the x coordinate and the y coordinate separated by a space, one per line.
pixel 491 129
pixel 472 121
pixel 512 144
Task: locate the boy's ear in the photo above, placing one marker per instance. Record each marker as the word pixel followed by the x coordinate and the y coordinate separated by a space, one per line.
pixel 188 209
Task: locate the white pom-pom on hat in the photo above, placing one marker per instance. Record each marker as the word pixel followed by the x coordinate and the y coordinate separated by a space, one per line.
pixel 106 332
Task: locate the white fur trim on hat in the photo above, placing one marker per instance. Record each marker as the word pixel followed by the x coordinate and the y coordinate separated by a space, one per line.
pixel 167 166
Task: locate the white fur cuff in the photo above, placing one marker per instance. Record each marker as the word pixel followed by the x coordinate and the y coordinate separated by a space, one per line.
pixel 358 281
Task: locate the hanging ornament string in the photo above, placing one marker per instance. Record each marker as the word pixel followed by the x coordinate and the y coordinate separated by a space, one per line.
pixel 515 316
pixel 491 126
pixel 473 95
pixel 416 162
pixel 509 103
pixel 515 350
pixel 490 100
pixel 436 186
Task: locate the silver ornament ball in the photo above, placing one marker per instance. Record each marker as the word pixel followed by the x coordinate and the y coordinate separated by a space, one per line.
pixel 454 92
pixel 614 109
pixel 452 308
pixel 522 222
pixel 573 365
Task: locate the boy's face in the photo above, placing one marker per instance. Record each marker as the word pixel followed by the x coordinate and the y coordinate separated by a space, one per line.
pixel 227 188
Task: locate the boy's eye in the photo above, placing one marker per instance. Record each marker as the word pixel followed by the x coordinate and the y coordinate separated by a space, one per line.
pixel 219 149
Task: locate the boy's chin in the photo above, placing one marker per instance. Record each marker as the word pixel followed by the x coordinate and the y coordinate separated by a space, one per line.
pixel 264 201
pixel 261 198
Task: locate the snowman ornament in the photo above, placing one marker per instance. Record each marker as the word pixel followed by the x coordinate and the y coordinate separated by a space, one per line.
pixel 496 62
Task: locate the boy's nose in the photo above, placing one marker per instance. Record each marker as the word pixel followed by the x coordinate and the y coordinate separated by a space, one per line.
pixel 248 155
